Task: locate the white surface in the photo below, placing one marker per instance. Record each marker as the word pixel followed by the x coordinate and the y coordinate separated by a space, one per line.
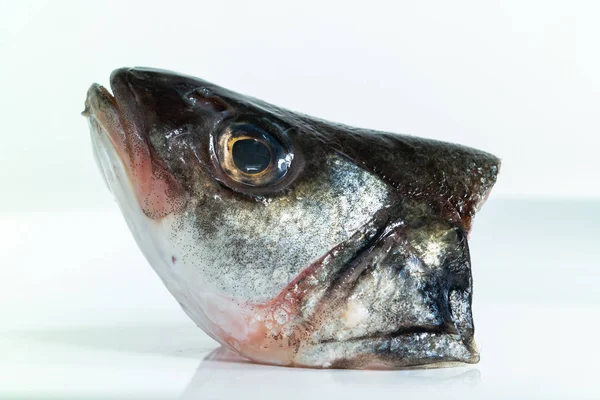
pixel 520 79
pixel 84 316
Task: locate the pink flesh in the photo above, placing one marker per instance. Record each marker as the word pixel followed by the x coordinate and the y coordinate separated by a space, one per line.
pixel 252 329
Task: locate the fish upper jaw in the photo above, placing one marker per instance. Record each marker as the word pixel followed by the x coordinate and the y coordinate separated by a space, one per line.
pixel 118 117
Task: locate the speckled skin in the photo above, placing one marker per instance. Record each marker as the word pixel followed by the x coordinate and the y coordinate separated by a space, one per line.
pixel 356 258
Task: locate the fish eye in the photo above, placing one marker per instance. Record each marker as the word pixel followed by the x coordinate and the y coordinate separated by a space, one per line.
pixel 254 154
pixel 251 156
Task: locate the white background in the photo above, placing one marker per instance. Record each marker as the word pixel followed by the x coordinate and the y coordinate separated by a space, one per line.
pixel 517 78
pixel 85 315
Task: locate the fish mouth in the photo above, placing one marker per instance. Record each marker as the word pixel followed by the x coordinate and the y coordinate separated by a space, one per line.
pixel 119 118
pixel 109 119
pixel 116 116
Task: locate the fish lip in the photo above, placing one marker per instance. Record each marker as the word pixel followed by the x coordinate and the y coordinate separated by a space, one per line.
pixel 123 95
pixel 122 102
pixel 102 109
pixel 114 115
pixel 97 94
pixel 120 116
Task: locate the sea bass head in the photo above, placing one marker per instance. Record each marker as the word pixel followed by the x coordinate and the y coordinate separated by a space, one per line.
pixel 292 240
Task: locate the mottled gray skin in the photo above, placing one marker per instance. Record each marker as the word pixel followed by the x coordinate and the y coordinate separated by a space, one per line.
pixel 356 258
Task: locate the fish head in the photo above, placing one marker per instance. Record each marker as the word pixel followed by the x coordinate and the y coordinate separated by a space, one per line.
pixel 292 240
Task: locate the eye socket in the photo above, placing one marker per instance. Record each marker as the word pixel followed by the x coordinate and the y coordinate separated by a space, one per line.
pixel 255 154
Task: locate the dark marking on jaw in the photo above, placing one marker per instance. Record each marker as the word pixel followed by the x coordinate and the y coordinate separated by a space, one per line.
pixel 173 259
pixel 403 331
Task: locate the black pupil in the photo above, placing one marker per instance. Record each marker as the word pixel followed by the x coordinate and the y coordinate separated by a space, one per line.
pixel 251 156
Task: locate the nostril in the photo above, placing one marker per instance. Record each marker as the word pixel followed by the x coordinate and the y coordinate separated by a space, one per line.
pixel 204 98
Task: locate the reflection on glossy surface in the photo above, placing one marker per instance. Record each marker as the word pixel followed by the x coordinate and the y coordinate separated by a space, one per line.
pixel 222 371
pixel 69 329
pixel 153 340
pixel 175 362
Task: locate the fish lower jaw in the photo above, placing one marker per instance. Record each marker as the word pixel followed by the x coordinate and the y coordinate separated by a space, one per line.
pixel 277 334
pixel 392 351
